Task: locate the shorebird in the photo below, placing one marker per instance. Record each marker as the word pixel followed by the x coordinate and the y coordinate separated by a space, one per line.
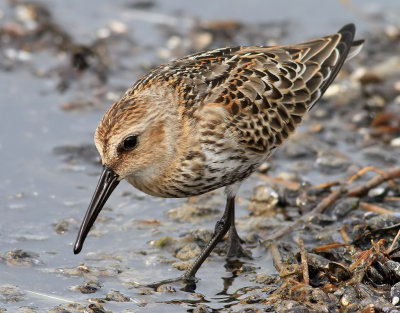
pixel 208 120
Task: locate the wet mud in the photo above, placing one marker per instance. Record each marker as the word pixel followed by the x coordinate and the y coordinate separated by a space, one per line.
pixel 320 219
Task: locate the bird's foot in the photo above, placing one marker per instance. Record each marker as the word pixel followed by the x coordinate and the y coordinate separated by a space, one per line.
pixel 189 283
pixel 235 248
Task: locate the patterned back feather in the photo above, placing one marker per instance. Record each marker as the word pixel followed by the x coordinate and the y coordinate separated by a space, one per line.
pixel 266 90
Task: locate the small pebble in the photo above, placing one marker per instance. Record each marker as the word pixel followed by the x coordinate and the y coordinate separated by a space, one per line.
pixel 117 296
pixel 349 296
pixel 182 265
pixel 394 268
pixel 395 293
pixel 88 287
pixel 330 162
pixel 11 294
pixel 343 207
pixel 378 192
pixel 188 251
pixel 166 288
pixel 395 142
pixel 201 308
pixel 118 27
pixel 27 309
pixel 190 213
pixel 21 258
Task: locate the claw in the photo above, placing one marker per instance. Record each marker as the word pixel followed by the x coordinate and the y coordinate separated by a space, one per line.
pixel 235 248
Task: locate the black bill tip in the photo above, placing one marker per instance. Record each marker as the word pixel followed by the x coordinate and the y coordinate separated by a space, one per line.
pixel 107 183
pixel 78 246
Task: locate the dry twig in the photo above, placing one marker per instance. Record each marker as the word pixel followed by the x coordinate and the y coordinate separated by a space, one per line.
pixel 286 183
pixel 329 246
pixel 327 185
pixel 327 201
pixel 394 241
pixel 304 263
pixel 375 208
pixel 362 172
pixel 276 257
pixel 377 180
pixel 333 196
pixel 391 199
pixel 343 233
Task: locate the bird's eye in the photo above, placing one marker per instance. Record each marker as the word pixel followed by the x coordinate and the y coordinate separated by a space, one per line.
pixel 130 142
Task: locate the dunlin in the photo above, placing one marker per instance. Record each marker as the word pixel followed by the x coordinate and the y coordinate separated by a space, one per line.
pixel 209 120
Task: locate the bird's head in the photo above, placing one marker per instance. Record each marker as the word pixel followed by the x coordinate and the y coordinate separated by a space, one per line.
pixel 136 141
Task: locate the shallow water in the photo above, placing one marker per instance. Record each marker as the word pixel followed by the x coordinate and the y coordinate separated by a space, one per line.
pixel 40 187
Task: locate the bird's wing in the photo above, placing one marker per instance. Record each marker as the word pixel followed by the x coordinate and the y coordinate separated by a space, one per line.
pixel 269 89
pixel 264 90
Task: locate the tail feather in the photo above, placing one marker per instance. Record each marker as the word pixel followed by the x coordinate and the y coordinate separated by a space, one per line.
pixel 344 47
pixel 355 49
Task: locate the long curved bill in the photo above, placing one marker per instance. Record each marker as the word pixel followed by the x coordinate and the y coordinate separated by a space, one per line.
pixel 107 183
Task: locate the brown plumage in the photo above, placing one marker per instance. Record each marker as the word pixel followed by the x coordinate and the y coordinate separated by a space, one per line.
pixel 210 119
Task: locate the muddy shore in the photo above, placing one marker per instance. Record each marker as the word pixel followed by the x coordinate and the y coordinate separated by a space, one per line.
pixel 320 218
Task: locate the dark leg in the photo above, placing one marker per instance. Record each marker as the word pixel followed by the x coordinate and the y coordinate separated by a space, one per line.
pixel 221 228
pixel 235 248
